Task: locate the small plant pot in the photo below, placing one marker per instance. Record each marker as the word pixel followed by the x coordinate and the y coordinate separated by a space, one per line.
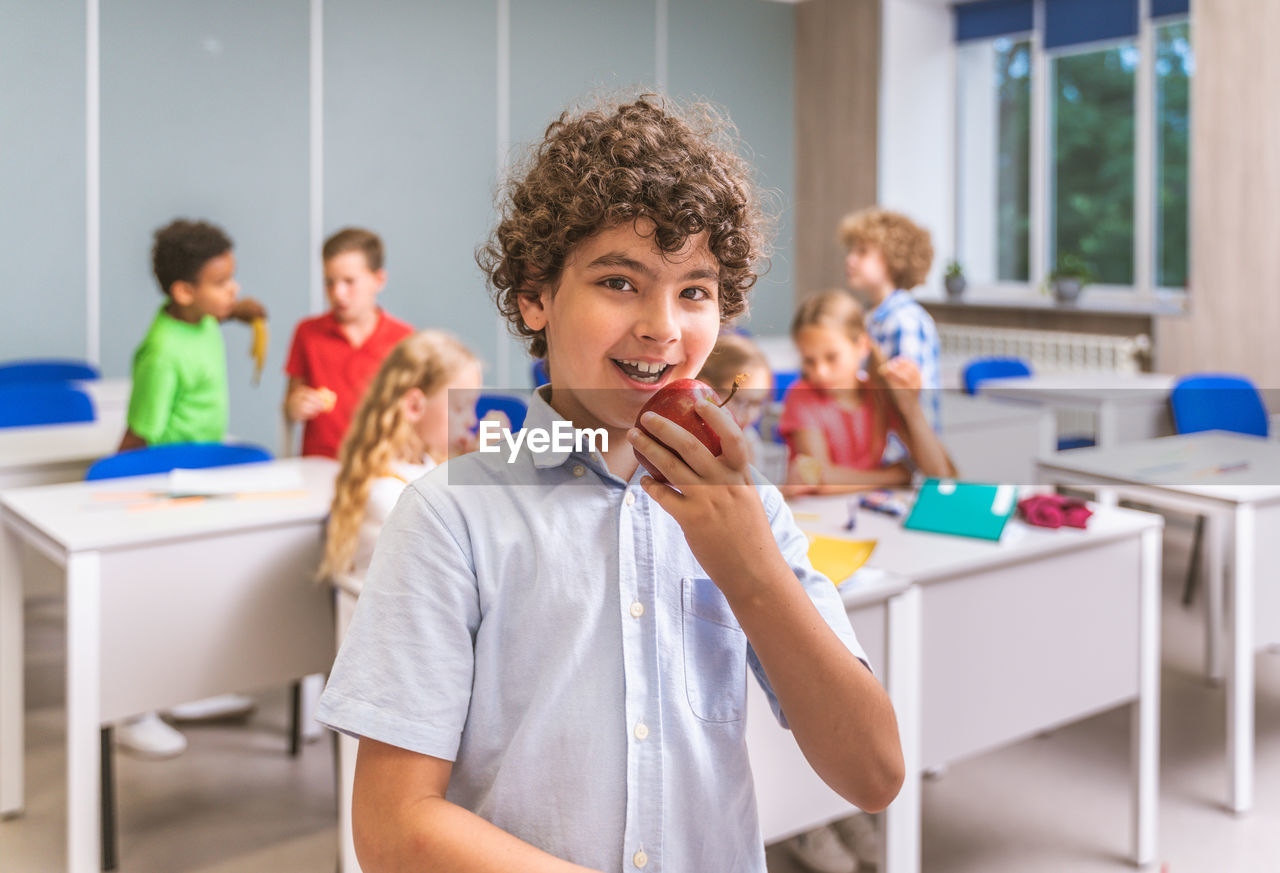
pixel 1067 290
pixel 955 285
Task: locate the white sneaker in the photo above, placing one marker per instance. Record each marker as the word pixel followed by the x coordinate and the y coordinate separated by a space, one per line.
pixel 224 707
pixel 861 833
pixel 148 737
pixel 821 851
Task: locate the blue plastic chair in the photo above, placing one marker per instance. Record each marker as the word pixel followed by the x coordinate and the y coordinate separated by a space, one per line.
pixel 31 404
pixel 980 370
pixel 1214 401
pixel 782 380
pixel 47 370
pixel 540 375
pixel 186 456
pixel 1218 401
pixel 513 407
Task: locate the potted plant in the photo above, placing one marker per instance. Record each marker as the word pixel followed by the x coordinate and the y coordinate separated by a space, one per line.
pixel 955 280
pixel 1069 278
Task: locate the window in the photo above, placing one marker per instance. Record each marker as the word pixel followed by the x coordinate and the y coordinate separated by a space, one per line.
pixel 1072 130
pixel 1092 151
pixel 995 154
pixel 1173 116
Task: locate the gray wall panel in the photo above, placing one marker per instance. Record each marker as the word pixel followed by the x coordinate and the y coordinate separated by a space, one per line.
pixel 204 114
pixel 42 178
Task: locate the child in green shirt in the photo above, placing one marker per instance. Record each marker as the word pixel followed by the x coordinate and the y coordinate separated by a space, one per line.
pixel 180 369
pixel 180 395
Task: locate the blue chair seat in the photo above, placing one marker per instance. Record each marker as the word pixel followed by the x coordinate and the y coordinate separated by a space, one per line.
pixel 32 404
pixel 185 456
pixel 514 408
pixel 980 370
pixel 47 370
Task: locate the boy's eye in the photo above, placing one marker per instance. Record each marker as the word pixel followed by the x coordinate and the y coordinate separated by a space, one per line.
pixel 696 293
pixel 617 283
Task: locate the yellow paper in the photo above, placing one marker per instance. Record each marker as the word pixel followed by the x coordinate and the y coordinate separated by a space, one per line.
pixel 838 559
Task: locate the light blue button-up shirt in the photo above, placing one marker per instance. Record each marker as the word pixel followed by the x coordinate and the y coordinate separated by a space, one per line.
pixel 544 625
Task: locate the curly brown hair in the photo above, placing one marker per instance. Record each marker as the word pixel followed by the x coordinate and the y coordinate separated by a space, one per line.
pixel 182 248
pixel 595 169
pixel 906 247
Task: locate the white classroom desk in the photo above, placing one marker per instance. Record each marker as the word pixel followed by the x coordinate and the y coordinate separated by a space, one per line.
pixel 164 605
pixel 110 398
pixel 1129 406
pixel 884 612
pixel 1233 480
pixel 50 453
pixel 1039 630
pixel 991 441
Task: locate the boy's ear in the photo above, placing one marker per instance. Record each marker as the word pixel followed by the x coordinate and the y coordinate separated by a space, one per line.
pixel 183 292
pixel 533 307
pixel 380 275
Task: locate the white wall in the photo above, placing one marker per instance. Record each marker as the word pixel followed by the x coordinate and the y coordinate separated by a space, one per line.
pixel 917 128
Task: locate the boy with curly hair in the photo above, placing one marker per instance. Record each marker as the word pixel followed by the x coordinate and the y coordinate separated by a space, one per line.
pixel 547 667
pixel 888 254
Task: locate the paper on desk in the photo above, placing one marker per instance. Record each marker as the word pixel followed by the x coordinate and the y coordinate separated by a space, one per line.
pixel 838 559
pixel 249 479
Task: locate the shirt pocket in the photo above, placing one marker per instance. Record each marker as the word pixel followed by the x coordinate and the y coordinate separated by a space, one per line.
pixel 715 652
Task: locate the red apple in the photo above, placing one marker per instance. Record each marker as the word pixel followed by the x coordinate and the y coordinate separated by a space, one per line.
pixel 675 402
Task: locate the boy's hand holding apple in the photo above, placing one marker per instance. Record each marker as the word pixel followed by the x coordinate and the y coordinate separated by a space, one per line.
pixel 687 439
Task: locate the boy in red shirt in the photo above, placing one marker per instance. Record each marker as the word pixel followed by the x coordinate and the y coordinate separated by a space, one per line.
pixel 334 356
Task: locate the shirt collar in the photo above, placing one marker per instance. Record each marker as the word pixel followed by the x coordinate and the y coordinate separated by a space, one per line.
pixel 542 415
pixel 895 299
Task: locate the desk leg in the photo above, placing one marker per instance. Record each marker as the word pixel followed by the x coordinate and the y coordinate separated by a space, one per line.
pixel 902 818
pixel 1240 684
pixel 1108 424
pixel 1145 717
pixel 1212 570
pixel 11 693
pixel 84 722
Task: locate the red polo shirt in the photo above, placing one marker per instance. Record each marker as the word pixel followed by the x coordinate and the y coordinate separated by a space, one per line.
pixel 321 356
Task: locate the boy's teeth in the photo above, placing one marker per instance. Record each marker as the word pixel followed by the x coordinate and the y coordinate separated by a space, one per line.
pixel 643 371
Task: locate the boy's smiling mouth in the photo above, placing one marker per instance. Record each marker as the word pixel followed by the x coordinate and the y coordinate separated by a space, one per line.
pixel 644 372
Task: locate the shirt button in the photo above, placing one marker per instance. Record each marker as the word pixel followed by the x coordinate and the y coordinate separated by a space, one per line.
pixel 642 731
pixel 640 858
pixel 637 609
pixel 579 470
pixel 630 499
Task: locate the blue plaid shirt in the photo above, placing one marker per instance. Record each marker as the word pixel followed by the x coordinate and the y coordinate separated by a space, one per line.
pixel 544 625
pixel 901 327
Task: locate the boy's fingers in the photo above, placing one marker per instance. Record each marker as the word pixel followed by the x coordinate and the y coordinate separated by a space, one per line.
pixel 668 462
pixel 686 446
pixel 663 495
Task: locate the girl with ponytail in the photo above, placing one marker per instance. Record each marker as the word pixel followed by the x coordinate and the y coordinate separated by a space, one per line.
pixel 850 402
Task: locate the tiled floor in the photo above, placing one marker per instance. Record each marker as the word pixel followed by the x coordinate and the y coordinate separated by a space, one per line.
pixel 236 803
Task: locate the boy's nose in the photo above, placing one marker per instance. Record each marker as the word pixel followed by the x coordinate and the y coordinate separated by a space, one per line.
pixel 658 322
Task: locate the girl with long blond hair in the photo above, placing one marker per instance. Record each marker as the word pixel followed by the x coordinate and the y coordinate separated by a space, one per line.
pixel 417 412
pixel 838 418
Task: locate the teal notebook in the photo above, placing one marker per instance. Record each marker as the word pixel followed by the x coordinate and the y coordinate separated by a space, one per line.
pixel 965 509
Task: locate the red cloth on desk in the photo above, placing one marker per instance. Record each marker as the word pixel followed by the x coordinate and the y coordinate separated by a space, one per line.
pixel 1054 511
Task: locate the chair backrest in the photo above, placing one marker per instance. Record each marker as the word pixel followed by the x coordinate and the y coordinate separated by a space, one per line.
pixel 186 456
pixel 540 375
pixel 782 380
pixel 514 408
pixel 1218 401
pixel 31 404
pixel 46 370
pixel 980 370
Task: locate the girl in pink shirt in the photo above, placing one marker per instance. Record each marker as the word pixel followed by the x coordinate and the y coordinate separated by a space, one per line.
pixel 838 417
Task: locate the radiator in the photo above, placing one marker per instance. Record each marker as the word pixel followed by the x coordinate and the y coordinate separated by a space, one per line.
pixel 1046 351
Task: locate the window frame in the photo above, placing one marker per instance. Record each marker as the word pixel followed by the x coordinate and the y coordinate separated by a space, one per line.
pixel 1143 293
